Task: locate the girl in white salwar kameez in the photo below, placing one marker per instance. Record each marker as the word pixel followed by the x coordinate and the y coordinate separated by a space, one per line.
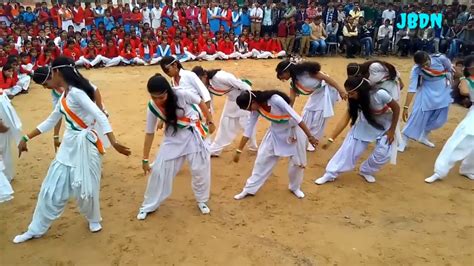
pixel 10 132
pixel 460 146
pixel 285 138
pixel 233 119
pixel 183 141
pixel 374 116
pixel 382 75
pixel 430 79
pixel 307 79
pixel 43 77
pixel 76 170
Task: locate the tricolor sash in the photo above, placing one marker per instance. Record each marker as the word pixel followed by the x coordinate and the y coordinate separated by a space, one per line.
pixel 221 92
pixel 279 119
pixel 57 93
pixel 434 73
pixel 302 90
pixel 381 111
pixel 183 122
pixel 76 124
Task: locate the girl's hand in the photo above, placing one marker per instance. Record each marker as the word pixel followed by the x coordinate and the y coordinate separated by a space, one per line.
pixel 405 114
pixel 3 128
pixel 328 144
pixel 313 141
pixel 236 157
pixel 211 127
pixel 57 143
pixel 122 149
pixel 22 147
pixel 146 168
pixel 343 95
pixel 390 136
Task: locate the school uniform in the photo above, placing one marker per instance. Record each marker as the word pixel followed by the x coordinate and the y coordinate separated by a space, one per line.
pixel 236 22
pixel 242 48
pixel 160 53
pixel 358 140
pixel 433 97
pixel 214 23
pixel 186 144
pixel 284 138
pixel 111 56
pixel 177 51
pixel 459 147
pixel 76 170
pixel 191 82
pixel 320 105
pixel 233 119
pixel 11 120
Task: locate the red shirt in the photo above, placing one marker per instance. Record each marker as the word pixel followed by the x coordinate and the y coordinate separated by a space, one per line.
pixel 43 61
pixel 204 16
pixel 282 30
pixel 128 55
pixel 90 53
pixel 209 49
pixel 78 16
pixel 136 17
pixel 6 83
pixel 226 47
pixel 177 49
pixel 151 50
pixel 127 17
pixel 194 49
pixel 89 16
pixel 266 45
pixel 291 29
pixel 275 46
pixel 43 16
pixel 110 52
pixel 75 53
pixel 253 44
pixel 116 13
pixel 228 18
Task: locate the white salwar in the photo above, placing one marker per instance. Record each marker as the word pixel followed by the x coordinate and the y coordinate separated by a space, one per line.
pixel 186 144
pixel 281 140
pixel 357 141
pixel 233 119
pixel 11 120
pixel 76 170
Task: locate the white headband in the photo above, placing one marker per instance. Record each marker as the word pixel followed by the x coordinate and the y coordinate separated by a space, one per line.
pixel 287 66
pixel 360 84
pixel 174 60
pixel 250 100
pixel 358 69
pixel 47 75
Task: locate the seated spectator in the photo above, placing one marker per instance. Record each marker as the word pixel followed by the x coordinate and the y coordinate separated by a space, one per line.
pixel 384 36
pixel 366 37
pixel 332 30
pixel 242 47
pixel 110 54
pixel 318 37
pixel 177 50
pixel 425 40
pixel 351 38
pixel 227 47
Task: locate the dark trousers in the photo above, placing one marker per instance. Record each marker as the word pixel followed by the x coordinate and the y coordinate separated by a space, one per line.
pixel 267 29
pixel 352 45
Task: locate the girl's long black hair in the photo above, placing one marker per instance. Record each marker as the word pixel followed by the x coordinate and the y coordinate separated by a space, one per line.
pixel 297 68
pixel 200 72
pixel 72 76
pixel 364 69
pixel 458 98
pixel 41 75
pixel 261 97
pixel 158 84
pixel 362 102
pixel 167 60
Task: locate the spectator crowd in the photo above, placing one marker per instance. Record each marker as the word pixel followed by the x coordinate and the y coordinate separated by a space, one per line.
pixel 142 33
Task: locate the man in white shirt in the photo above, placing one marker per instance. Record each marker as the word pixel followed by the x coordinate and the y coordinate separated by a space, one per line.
pixel 389 14
pixel 384 36
pixel 156 15
pixel 267 18
pixel 256 16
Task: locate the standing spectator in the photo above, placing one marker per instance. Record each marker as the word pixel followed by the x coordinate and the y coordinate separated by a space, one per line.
pixel 301 14
pixel 389 14
pixel 356 13
pixel 88 16
pixel 311 11
pixel 290 40
pixel 79 16
pixel 226 17
pixel 305 37
pixel 268 19
pixel 351 38
pixel 256 16
pixel 65 15
pixel 99 13
pixel 282 33
pixel 108 21
pixel 290 11
pixel 236 21
pixel 329 14
pixel 127 18
pixel 156 16
pixel 279 14
pixel 203 14
pixel 117 12
pixel 28 17
pixel 214 17
pixel 366 38
pixel 370 13
pixel 318 37
pixel 146 14
pixel 384 36
pixel 192 14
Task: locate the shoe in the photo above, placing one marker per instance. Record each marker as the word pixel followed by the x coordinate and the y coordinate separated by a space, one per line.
pixel 470 176
pixel 253 149
pixel 241 195
pixel 204 208
pixel 142 215
pixel 95 227
pixel 426 142
pixel 368 178
pixel 24 237
pixel 310 148
pixel 298 193
pixel 325 178
pixel 433 178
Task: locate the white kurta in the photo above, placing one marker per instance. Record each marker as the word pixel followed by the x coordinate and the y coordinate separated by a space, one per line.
pixel 233 119
pixel 76 170
pixel 176 147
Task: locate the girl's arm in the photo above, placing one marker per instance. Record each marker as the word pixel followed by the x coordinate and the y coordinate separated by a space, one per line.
pixel 205 110
pixel 57 129
pixel 340 126
pixel 151 121
pixel 293 96
pixel 412 88
pixel 464 88
pixel 333 83
pixel 396 115
pixel 249 130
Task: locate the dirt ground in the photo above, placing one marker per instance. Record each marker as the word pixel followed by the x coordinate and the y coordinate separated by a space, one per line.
pixel 399 220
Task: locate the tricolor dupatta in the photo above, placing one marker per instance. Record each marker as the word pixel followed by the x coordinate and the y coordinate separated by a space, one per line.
pixel 76 124
pixel 183 122
pixel 434 73
pixel 278 119
pixel 302 90
pixel 56 93
pixel 221 92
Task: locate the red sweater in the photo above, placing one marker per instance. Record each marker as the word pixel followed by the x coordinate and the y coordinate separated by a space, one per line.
pixel 177 49
pixel 89 17
pixel 226 47
pixel 78 16
pixel 90 53
pixel 6 83
pixel 151 50
pixel 110 52
pixel 253 44
pixel 275 46
pixel 43 61
pixel 209 49
pixel 128 55
pixel 73 53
